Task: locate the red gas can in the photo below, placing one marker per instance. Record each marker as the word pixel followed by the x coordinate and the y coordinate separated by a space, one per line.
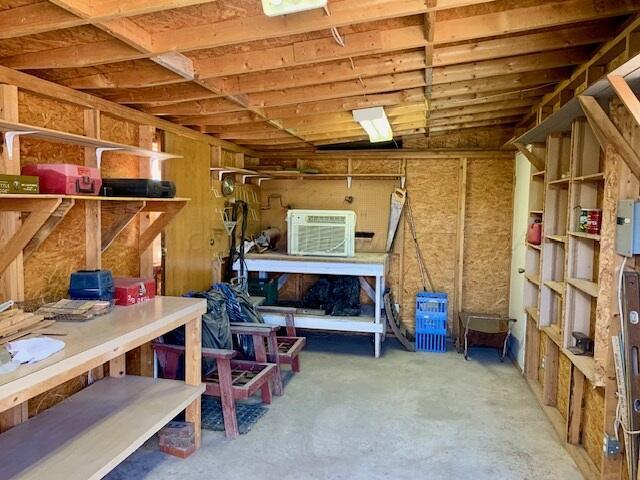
pixel 130 291
pixel 65 178
pixel 534 234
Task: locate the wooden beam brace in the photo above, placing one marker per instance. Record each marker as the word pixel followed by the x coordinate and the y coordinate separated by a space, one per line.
pixel 49 226
pixel 626 95
pixel 127 211
pixel 607 133
pixel 26 231
pixel 169 211
pixel 537 162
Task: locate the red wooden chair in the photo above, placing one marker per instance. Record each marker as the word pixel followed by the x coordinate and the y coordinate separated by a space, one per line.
pixel 232 379
pixel 289 346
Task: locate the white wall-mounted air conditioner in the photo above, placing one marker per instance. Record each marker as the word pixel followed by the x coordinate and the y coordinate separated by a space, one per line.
pixel 273 8
pixel 321 232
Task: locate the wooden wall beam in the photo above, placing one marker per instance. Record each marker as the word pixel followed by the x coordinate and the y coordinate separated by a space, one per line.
pixel 607 133
pixel 536 161
pixel 460 236
pixel 626 95
pixel 50 89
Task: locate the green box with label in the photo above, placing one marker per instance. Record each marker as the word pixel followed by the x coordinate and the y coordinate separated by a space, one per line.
pixel 18 184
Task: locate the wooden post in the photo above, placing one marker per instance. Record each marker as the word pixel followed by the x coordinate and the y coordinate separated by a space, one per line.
pixel 12 280
pixel 92 212
pixel 460 232
pixel 193 371
pixel 576 398
pixel 143 356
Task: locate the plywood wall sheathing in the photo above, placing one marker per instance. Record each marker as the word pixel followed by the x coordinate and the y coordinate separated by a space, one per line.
pixel 564 382
pixel 433 186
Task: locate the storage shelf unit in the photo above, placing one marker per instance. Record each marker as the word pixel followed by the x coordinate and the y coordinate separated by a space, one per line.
pixel 568 270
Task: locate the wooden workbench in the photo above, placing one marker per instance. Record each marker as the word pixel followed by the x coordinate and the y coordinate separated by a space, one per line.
pixel 361 265
pixel 88 434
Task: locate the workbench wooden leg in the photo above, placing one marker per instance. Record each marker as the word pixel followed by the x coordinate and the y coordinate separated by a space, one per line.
pixel 14 416
pixel 193 372
pixel 118 366
pixel 227 400
pixel 272 343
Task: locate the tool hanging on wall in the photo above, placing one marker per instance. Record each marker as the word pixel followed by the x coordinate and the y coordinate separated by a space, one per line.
pixel 398 198
pixel 424 272
pixel 237 253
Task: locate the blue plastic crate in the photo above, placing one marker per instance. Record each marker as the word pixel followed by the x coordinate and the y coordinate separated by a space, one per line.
pixel 431 342
pixel 431 312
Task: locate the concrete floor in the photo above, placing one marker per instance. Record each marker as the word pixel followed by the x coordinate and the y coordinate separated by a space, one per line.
pixel 403 416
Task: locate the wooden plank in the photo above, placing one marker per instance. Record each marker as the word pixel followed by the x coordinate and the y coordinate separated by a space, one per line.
pixel 117 366
pixel 144 76
pixel 103 424
pixel 35 18
pixel 90 344
pixel 511 65
pixel 25 233
pixel 626 95
pixel 523 44
pixel 607 133
pixel 536 161
pixel 528 18
pixel 574 416
pixel 92 212
pixel 261 27
pixel 550 386
pixel 125 213
pixel 108 9
pixel 12 280
pixel 50 89
pixel 49 226
pixel 193 371
pixel 158 225
pixel 460 229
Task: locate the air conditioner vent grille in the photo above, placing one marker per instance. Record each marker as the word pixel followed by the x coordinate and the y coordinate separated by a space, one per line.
pixel 340 220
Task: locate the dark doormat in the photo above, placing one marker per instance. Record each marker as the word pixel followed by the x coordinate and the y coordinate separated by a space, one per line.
pixel 247 414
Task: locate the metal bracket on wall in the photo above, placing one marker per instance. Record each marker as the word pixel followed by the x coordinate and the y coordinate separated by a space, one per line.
pixel 10 136
pixel 244 177
pixel 101 150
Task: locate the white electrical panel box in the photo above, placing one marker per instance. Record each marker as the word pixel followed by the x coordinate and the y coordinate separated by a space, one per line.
pixel 328 233
pixel 274 8
pixel 628 228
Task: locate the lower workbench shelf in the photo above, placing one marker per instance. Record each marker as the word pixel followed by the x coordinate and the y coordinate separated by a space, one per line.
pixel 91 432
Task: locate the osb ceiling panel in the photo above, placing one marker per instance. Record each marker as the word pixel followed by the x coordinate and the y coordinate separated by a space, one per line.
pixel 67 37
pixel 293 82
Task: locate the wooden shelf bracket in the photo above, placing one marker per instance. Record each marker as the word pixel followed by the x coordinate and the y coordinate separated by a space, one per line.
pixel 607 133
pixel 49 226
pixel 533 158
pixel 40 210
pixel 127 211
pixel 167 212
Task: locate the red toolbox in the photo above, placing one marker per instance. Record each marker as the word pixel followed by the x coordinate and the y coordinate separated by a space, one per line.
pixel 130 291
pixel 65 178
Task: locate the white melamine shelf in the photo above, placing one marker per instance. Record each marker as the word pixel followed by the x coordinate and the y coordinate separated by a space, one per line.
pixel 593 177
pixel 535 279
pixel 559 181
pixel 14 128
pixel 557 238
pixel 91 432
pixel 590 236
pixel 585 286
pixel 534 313
pixel 557 287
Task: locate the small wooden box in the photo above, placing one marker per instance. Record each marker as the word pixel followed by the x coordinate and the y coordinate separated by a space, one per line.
pixel 19 184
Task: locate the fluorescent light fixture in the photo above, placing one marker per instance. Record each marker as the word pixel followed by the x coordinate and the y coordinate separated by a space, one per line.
pixel 273 8
pixel 374 121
